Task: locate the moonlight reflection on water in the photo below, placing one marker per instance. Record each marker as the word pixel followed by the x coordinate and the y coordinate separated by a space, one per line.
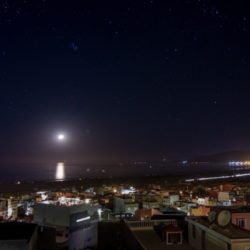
pixel 60 173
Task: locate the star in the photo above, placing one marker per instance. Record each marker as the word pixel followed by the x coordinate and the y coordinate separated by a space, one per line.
pixel 74 46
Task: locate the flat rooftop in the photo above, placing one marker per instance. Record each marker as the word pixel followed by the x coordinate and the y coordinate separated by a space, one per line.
pixel 62 201
pixel 149 240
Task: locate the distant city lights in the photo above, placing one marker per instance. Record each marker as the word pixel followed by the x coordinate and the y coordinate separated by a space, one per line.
pixel 239 163
pixel 128 190
pixel 217 177
pixel 87 201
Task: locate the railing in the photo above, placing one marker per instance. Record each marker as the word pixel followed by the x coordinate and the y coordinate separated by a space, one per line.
pixel 149 223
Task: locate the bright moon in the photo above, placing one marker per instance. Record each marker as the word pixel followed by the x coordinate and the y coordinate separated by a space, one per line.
pixel 61 137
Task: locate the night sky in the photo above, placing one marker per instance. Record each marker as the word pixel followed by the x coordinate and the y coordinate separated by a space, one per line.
pixel 126 80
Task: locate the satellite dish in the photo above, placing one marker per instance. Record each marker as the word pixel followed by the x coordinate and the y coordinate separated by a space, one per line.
pixel 224 218
pixel 212 216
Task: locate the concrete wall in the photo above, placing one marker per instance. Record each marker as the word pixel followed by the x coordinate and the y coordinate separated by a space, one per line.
pixel 214 243
pixel 196 241
pixel 33 240
pixel 47 214
pixel 83 238
pixel 50 214
pixel 204 240
pixel 242 245
pixel 14 245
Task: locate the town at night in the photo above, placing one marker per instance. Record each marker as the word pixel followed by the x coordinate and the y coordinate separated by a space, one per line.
pixel 124 125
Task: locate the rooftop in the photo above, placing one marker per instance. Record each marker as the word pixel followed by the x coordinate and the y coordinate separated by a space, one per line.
pixel 230 231
pixel 63 201
pixel 151 241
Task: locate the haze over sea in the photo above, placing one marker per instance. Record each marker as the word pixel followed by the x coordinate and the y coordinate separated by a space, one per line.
pixel 42 172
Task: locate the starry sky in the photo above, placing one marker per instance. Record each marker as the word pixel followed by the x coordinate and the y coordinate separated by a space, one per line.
pixel 128 80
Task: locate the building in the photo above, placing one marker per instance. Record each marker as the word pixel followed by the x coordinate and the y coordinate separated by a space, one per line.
pixel 157 234
pixel 8 209
pixel 12 208
pixel 118 205
pixel 124 205
pixel 200 211
pixel 173 198
pixel 74 220
pixel 3 209
pixel 241 218
pixel 146 214
pixel 150 204
pixel 203 234
pixel 224 199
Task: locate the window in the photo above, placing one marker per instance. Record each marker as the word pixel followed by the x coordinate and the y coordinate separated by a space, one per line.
pixel 194 231
pixel 240 222
pixel 174 238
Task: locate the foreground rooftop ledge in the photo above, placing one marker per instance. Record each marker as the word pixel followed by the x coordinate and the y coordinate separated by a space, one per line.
pixel 228 234
pixel 149 240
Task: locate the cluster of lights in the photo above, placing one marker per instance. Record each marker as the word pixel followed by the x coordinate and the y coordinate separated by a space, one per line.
pixel 239 163
pixel 217 177
pixel 69 201
pixel 43 194
pixel 128 191
pixel 87 200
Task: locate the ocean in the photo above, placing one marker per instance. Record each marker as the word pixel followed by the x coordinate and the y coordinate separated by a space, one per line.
pixel 43 172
